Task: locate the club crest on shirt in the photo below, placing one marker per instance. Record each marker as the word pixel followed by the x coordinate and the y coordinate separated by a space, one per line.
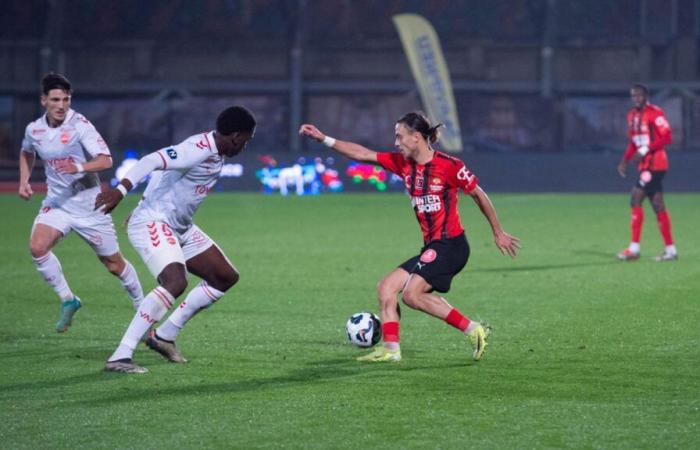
pixel 171 153
pixel 65 137
pixel 428 256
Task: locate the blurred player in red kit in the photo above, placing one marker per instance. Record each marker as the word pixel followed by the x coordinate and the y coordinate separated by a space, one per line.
pixel 649 133
pixel 433 180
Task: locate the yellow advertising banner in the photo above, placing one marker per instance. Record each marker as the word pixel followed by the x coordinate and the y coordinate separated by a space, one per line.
pixel 422 47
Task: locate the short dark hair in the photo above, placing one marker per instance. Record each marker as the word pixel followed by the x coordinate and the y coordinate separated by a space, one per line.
pixel 418 121
pixel 54 80
pixel 641 87
pixel 233 119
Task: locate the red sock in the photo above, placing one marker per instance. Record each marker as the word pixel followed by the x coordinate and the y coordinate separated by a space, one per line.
pixel 457 320
pixel 636 223
pixel 665 226
pixel 390 331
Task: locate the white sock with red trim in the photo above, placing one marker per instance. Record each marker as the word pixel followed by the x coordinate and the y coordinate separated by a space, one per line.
pixel 131 284
pixel 199 298
pixel 153 307
pixel 50 268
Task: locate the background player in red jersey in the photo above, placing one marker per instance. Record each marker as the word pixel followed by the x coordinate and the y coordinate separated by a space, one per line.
pixel 649 133
pixel 432 179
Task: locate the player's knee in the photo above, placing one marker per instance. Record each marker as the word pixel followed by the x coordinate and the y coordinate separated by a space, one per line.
pixel 411 299
pixel 176 286
pixel 114 266
pixel 385 292
pixel 38 249
pixel 173 279
pixel 225 281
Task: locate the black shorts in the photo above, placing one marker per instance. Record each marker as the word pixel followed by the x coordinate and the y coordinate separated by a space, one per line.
pixel 650 181
pixel 439 261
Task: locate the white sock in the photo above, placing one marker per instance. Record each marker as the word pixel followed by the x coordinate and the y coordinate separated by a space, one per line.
pixel 199 298
pixel 634 247
pixel 130 282
pixel 392 346
pixel 472 324
pixel 152 309
pixel 50 268
pixel 671 249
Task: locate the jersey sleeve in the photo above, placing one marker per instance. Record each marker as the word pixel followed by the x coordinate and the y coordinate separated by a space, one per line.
pixel 662 135
pixel 391 161
pixel 463 178
pixel 182 156
pixel 28 141
pixel 90 138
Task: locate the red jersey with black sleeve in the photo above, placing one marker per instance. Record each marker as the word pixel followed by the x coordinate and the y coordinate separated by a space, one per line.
pixel 648 127
pixel 433 188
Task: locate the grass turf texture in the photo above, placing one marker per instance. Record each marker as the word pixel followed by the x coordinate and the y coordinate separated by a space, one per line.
pixel 587 352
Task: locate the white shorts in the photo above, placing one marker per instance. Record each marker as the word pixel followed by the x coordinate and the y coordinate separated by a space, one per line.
pixel 97 228
pixel 159 245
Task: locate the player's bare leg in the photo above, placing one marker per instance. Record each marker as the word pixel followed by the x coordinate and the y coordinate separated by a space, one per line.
pixel 41 242
pixel 417 295
pixel 664 220
pixel 218 276
pixel 388 290
pixel 632 252
pixel 122 269
pixel 173 282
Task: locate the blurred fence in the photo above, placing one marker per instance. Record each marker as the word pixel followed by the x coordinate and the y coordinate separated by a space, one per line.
pixel 544 76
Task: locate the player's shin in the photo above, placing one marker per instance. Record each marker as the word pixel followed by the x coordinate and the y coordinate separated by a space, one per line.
pixel 664 221
pixel 459 321
pixel 50 268
pixel 153 307
pixel 131 284
pixel 636 221
pixel 199 298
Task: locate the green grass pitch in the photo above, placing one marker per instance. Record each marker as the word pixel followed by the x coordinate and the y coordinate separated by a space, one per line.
pixel 587 352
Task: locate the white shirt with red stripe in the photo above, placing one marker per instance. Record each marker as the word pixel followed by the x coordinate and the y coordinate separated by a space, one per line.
pixel 75 140
pixel 189 171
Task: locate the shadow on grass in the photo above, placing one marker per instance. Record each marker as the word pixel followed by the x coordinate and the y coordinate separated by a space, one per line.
pixel 535 267
pixel 316 373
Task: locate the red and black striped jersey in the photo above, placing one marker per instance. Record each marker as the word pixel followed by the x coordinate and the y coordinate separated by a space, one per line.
pixel 433 188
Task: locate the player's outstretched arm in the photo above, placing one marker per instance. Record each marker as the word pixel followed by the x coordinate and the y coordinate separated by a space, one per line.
pixel 349 149
pixel 506 243
pixel 26 163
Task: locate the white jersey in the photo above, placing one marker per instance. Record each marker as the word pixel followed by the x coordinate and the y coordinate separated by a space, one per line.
pixel 189 171
pixel 75 140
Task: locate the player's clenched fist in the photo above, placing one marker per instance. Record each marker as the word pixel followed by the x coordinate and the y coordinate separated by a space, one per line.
pixel 312 132
pixel 108 200
pixel 25 191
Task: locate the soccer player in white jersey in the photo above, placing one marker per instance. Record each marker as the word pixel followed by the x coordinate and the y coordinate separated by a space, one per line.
pixel 163 233
pixel 73 152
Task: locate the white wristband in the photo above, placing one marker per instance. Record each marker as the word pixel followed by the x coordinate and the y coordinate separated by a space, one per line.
pixel 643 150
pixel 122 189
pixel 329 141
pixel 79 167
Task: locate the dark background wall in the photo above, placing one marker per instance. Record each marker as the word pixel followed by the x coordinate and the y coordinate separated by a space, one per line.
pixel 540 81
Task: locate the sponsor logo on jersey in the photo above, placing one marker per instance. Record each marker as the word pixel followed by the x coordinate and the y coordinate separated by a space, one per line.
pixel 428 256
pixel 427 203
pixel 171 153
pixel 661 122
pixel 201 189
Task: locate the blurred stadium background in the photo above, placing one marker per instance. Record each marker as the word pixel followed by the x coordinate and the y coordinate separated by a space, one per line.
pixel 542 86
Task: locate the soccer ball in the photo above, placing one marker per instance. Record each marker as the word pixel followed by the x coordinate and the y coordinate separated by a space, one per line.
pixel 364 329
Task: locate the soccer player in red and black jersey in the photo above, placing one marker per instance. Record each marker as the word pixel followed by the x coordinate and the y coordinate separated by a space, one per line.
pixel 432 179
pixel 649 133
